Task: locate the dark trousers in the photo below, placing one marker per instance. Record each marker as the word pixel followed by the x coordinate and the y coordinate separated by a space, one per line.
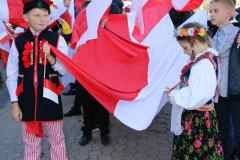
pixel 94 115
pixel 79 97
pixel 228 111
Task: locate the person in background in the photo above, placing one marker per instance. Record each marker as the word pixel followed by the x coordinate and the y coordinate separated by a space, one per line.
pixel 76 88
pixel 221 13
pixel 94 114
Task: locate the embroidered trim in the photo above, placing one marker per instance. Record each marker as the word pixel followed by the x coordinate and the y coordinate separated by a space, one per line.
pixel 27 55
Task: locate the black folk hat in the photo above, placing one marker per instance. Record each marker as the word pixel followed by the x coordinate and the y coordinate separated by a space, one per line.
pixel 41 4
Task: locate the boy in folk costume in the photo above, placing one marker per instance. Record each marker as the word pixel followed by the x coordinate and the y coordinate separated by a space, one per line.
pixel 194 120
pixel 33 83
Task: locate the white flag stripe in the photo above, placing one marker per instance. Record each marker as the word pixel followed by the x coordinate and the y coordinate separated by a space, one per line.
pixel 179 4
pixel 72 11
pixel 137 6
pixel 4 11
pixel 58 11
pixel 166 60
pixel 49 94
pixel 98 8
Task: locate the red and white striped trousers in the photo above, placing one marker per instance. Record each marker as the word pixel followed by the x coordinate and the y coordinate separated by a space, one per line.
pixel 54 131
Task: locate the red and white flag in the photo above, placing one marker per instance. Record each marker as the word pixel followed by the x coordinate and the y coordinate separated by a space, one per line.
pixel 11 9
pixel 87 22
pixel 51 91
pixel 128 78
pixel 57 9
pixel 186 5
pixel 157 9
pixel 12 12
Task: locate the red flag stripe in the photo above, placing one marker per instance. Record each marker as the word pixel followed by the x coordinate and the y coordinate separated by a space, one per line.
pixel 105 98
pixel 15 9
pixel 120 54
pixel 79 4
pixel 193 4
pixel 186 5
pixel 152 12
pixel 79 28
pixel 113 25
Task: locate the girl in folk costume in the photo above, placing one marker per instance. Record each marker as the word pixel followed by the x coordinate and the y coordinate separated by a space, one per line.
pixel 33 83
pixel 194 120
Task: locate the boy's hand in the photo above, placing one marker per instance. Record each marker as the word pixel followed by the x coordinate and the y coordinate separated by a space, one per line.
pixel 47 51
pixel 16 112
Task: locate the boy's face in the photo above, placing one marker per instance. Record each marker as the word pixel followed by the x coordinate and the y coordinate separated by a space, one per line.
pixel 38 19
pixel 219 13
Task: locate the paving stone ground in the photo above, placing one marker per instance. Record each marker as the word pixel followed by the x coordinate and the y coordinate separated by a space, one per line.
pixel 127 144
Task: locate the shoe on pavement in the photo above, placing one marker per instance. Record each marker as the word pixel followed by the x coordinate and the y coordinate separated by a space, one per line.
pixel 105 140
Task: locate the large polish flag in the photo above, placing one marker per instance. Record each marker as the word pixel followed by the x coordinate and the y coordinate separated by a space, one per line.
pixel 124 69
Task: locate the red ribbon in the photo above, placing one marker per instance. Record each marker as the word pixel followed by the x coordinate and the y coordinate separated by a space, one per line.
pixel 34 128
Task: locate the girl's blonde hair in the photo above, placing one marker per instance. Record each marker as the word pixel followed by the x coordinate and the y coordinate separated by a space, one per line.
pixel 230 3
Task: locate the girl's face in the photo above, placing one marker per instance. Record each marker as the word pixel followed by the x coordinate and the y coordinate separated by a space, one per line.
pixel 187 47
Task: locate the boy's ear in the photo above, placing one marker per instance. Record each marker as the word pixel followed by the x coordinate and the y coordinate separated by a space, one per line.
pixel 234 13
pixel 231 12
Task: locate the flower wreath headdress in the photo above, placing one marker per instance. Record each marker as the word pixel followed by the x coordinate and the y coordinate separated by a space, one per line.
pixel 191 32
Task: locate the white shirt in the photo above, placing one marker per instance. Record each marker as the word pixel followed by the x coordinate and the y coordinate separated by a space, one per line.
pixel 12 67
pixel 201 88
